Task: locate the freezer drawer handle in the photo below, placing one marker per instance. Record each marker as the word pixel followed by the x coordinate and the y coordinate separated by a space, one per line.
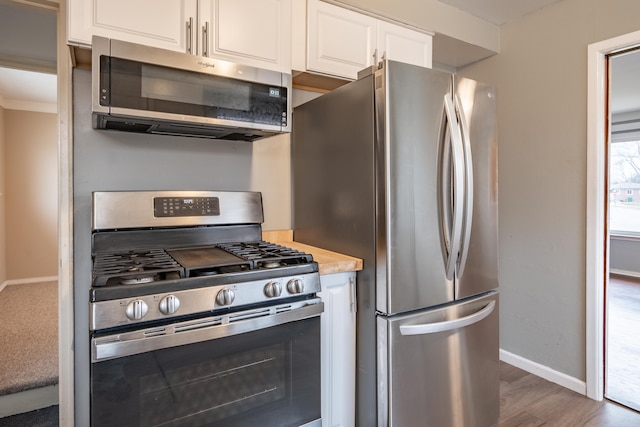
pixel 448 325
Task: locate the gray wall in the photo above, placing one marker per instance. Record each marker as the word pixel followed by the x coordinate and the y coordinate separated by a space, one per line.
pixel 109 160
pixel 541 76
pixel 624 256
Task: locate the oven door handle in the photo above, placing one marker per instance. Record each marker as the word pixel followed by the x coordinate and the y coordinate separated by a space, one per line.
pixel 189 332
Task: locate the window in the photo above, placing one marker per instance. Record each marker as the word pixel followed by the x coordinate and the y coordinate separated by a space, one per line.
pixel 624 207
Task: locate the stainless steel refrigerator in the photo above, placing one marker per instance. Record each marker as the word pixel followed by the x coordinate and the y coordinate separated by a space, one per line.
pixel 399 168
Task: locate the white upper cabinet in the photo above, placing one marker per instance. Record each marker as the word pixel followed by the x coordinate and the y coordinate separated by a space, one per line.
pixel 404 45
pixel 341 42
pixel 159 23
pixel 255 32
pixel 250 32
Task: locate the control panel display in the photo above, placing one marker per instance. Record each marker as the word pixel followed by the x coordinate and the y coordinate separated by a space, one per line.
pixel 186 206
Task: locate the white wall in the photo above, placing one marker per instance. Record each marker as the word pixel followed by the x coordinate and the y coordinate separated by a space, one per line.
pixel 541 77
pixel 31 194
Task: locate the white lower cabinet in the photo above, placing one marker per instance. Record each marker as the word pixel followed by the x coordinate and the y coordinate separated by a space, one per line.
pixel 338 342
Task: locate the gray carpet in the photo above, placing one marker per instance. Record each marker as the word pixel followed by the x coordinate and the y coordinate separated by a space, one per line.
pixel 28 337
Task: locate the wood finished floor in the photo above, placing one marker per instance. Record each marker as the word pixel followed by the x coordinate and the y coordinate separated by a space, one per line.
pixel 623 334
pixel 527 400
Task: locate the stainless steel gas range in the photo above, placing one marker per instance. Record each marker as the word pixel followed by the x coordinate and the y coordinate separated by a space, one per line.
pixel 194 320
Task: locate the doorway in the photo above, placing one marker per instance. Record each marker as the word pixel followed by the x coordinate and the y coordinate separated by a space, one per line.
pixel 622 292
pixel 29 208
pixel 598 245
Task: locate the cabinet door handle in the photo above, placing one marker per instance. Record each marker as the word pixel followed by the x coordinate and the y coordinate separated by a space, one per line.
pixel 354 301
pixel 375 56
pixel 190 35
pixel 205 39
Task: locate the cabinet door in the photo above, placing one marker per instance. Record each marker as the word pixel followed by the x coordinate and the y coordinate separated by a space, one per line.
pixel 404 45
pixel 340 42
pixel 338 342
pixel 250 32
pixel 158 23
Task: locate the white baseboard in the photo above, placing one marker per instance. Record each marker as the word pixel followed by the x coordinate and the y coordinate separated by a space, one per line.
pixel 624 273
pixel 27 281
pixel 544 372
pixel 28 400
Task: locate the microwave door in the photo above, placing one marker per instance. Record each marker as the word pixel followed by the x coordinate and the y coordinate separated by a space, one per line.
pixel 144 89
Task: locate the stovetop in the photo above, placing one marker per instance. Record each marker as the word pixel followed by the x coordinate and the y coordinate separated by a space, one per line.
pixel 146 266
pixel 155 285
pixel 163 255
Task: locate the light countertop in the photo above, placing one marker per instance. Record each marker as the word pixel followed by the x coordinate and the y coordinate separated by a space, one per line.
pixel 328 262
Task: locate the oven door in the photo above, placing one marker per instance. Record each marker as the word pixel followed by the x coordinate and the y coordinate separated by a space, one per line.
pixel 245 369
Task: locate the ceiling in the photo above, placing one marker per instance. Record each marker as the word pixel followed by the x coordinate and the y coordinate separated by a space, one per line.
pixel 36 90
pixel 499 11
pixel 27 57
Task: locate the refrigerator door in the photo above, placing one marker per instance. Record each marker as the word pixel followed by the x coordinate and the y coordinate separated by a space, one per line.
pixel 477 267
pixel 440 367
pixel 410 267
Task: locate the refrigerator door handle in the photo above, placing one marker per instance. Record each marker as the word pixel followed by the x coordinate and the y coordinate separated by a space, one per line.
pixel 452 191
pixel 468 193
pixel 448 325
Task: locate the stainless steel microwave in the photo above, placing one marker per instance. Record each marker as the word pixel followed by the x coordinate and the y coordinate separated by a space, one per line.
pixel 149 90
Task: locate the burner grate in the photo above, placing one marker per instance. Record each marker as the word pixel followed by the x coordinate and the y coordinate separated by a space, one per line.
pixel 140 267
pixel 134 267
pixel 266 255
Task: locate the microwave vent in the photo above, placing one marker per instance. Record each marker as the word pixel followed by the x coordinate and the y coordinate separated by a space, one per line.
pixel 178 129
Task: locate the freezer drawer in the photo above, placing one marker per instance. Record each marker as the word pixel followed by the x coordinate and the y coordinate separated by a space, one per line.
pixel 440 367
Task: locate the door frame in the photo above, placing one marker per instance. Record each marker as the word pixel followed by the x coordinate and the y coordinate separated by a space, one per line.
pixel 597 260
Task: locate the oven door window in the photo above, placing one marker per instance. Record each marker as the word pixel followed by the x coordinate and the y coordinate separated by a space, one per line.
pixel 269 377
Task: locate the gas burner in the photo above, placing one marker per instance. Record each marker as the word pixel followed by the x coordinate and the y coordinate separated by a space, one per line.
pixel 139 280
pixel 134 267
pixel 204 273
pixel 267 255
pixel 270 264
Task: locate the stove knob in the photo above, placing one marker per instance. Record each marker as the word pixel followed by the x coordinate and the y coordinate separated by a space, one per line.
pixel 136 309
pixel 295 286
pixel 272 289
pixel 169 304
pixel 225 297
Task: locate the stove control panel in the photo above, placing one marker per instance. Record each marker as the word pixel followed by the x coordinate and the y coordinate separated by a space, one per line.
pixel 186 206
pixel 182 302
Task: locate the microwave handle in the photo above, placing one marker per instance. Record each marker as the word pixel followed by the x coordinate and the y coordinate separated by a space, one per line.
pixel 190 35
pixel 205 39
